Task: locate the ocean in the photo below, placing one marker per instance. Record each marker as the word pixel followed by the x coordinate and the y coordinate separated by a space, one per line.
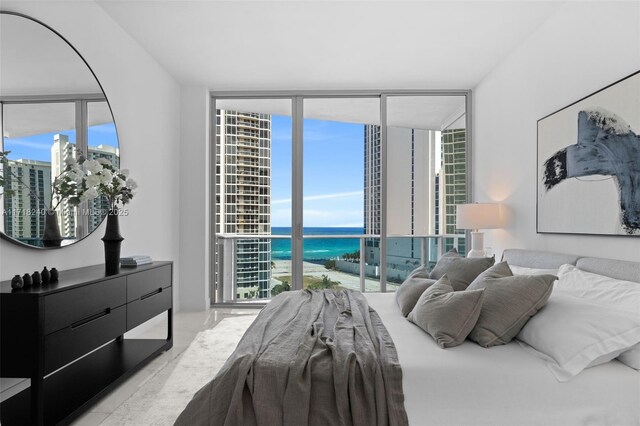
pixel 316 249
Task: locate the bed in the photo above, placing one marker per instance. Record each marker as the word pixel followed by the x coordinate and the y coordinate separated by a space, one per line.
pixel 507 385
pixel 462 385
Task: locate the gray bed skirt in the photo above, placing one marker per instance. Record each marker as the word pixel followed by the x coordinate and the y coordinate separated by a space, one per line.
pixel 310 358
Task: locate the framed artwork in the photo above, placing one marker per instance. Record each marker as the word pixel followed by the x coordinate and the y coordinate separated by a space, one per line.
pixel 589 164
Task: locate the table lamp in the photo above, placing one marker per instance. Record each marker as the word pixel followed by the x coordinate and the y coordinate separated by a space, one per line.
pixel 478 216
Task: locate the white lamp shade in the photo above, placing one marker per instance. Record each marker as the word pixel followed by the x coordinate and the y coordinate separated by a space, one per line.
pixel 479 216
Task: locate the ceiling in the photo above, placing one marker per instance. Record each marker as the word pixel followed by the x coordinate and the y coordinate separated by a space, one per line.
pixel 320 45
pixel 416 112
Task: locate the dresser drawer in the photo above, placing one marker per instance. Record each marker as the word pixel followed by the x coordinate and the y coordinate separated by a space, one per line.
pixel 72 342
pixel 148 306
pixel 67 307
pixel 146 282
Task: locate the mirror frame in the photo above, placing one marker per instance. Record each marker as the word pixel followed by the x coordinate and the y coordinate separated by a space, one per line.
pixel 4 236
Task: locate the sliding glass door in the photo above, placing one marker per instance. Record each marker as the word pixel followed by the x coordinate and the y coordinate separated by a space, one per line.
pixel 341 207
pixel 421 187
pixel 333 190
pixel 252 253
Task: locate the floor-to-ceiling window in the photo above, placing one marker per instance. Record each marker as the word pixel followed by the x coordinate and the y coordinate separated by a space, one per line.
pixel 333 190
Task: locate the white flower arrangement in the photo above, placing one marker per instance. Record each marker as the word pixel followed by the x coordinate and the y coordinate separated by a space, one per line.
pixel 85 180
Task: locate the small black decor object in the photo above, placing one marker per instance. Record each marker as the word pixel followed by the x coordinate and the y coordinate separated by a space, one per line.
pixel 45 275
pixel 112 241
pixel 35 277
pixel 54 275
pixel 51 236
pixel 16 282
pixel 26 279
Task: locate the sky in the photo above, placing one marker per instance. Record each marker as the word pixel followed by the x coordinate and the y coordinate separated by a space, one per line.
pixel 333 173
pixel 38 147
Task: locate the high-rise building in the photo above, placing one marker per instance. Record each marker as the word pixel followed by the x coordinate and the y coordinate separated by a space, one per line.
pixel 60 151
pixel 96 209
pixel 372 179
pixel 243 196
pixel 453 180
pixel 411 160
pixel 30 182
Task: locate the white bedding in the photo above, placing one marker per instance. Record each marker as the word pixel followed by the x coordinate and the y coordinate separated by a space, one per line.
pixel 502 385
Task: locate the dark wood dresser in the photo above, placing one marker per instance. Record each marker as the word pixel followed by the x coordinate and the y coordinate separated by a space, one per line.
pixel 50 334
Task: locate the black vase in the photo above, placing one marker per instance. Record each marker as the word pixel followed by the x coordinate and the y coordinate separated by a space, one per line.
pixel 112 241
pixel 54 275
pixel 45 275
pixel 16 282
pixel 26 279
pixel 51 236
pixel 36 279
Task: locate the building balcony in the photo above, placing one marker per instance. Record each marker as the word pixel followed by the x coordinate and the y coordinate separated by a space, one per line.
pixel 361 271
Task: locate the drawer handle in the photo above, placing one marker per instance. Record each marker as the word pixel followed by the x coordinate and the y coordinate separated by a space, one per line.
pixel 91 318
pixel 153 293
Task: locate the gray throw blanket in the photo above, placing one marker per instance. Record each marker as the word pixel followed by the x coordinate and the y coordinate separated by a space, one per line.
pixel 310 358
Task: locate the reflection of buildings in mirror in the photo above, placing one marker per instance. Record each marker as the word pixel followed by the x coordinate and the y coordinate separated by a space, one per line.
pixel 31 181
pixel 95 209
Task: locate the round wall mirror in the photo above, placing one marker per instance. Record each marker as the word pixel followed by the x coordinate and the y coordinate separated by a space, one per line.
pixel 52 111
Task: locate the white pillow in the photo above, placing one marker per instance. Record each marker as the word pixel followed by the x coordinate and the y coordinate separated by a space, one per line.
pixel 523 270
pixel 572 334
pixel 631 357
pixel 616 294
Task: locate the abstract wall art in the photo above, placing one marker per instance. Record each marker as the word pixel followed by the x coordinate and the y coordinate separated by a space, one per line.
pixel 589 164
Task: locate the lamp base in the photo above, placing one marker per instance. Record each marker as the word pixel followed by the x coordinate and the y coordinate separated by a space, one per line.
pixel 477 245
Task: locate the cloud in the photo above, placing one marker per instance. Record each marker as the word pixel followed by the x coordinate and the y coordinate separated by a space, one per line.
pixel 27 144
pixel 322 197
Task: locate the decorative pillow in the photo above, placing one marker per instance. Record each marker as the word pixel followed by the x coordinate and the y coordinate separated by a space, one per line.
pixel 498 270
pixel 419 272
pixel 602 290
pixel 508 304
pixel 572 334
pixel 523 270
pixel 460 270
pixel 409 292
pixel 447 315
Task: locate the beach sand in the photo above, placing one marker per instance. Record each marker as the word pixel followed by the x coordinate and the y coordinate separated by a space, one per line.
pixel 283 268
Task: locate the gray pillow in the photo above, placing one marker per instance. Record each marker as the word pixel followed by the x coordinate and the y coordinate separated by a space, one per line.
pixel 509 302
pixel 460 270
pixel 498 270
pixel 409 292
pixel 420 272
pixel 447 315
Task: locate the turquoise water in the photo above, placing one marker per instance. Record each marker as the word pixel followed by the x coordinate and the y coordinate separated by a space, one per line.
pixel 316 249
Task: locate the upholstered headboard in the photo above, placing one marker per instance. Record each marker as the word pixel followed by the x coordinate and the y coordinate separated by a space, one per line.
pixel 537 259
pixel 618 269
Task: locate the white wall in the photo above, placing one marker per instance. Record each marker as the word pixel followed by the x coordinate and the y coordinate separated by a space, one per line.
pixel 584 47
pixel 145 101
pixel 194 187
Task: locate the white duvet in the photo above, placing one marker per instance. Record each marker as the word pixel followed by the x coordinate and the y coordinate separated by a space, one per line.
pixel 502 385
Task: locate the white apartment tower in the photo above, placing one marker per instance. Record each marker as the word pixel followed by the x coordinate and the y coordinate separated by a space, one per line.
pixel 243 196
pixel 30 181
pixel 98 207
pixel 453 183
pixel 60 151
pixel 411 205
pixel 95 210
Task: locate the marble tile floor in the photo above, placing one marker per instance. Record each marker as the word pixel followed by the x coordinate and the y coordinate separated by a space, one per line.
pixel 186 326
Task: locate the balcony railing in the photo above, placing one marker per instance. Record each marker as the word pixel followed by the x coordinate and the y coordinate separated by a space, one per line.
pixel 363 273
